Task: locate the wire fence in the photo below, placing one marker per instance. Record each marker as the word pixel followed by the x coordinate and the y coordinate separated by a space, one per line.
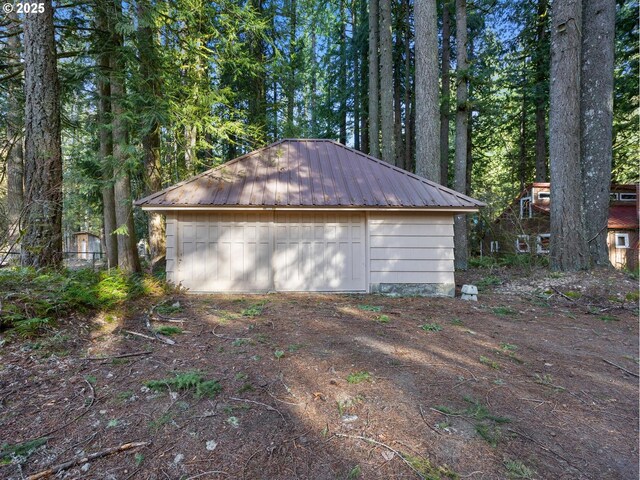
pixel 70 259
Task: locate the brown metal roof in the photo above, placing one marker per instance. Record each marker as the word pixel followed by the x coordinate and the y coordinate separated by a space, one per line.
pixel 307 173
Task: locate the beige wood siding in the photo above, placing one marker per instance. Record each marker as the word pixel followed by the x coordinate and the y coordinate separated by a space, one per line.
pixel 322 252
pixel 411 248
pixel 172 250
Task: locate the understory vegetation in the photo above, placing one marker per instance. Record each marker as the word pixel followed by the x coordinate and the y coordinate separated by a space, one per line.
pixel 33 300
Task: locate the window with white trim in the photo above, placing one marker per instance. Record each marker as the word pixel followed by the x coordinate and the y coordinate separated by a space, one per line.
pixel 622 240
pixel 627 197
pixel 542 243
pixel 525 207
pixel 544 195
pixel 494 246
pixel 522 244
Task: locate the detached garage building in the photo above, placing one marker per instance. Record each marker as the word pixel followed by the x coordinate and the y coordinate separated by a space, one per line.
pixel 310 215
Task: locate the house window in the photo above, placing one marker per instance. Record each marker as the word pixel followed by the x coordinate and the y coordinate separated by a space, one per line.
pixel 525 207
pixel 613 196
pixel 622 240
pixel 542 243
pixel 544 195
pixel 522 244
pixel 627 197
pixel 495 246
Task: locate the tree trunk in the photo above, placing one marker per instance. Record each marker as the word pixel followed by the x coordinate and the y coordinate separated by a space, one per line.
pixel 355 52
pixel 291 90
pixel 364 93
pixel 149 62
pixel 462 118
pixel 522 157
pixel 257 95
pixel 15 160
pixel 427 94
pixel 127 250
pixel 342 80
pixel 397 100
pixel 568 249
pixel 408 109
pixel 374 82
pixel 540 89
pixel 42 242
pixel 596 104
pixel 105 151
pixel 445 106
pixel 314 85
pixel 386 83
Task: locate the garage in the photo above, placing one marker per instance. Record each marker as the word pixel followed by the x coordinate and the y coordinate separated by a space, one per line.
pixel 310 216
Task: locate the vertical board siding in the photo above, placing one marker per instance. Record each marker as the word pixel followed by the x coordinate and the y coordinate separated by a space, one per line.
pixel 171 243
pixel 319 252
pixel 411 248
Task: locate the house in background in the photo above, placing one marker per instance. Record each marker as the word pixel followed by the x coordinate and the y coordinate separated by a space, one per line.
pixel 310 216
pixel 85 244
pixel 524 227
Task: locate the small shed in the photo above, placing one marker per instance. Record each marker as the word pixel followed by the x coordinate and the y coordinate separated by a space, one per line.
pixel 85 244
pixel 312 216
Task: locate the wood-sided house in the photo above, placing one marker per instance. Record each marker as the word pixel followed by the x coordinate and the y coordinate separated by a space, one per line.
pixel 310 215
pixel 524 226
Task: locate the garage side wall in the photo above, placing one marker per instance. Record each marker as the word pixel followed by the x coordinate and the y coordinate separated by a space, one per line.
pixel 411 254
pixel 172 242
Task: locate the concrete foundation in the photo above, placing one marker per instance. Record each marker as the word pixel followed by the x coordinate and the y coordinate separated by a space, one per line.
pixel 414 289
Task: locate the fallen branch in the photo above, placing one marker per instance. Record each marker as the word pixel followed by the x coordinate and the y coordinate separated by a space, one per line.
pixel 268 407
pixel 224 337
pixel 138 334
pixel 162 338
pixel 71 463
pixel 544 447
pixel 427 423
pixel 371 440
pixel 211 472
pixel 124 355
pixel 563 295
pixel 621 368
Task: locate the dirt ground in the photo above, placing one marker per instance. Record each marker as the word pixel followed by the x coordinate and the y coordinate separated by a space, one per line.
pixel 538 379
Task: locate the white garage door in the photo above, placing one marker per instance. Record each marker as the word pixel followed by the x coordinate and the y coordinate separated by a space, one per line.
pixel 221 252
pixel 322 252
pixel 241 252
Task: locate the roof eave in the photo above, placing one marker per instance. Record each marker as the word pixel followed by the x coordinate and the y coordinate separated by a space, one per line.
pixel 350 208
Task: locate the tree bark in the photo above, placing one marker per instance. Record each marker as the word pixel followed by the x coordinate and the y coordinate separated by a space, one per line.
pixel 149 62
pixel 541 69
pixel 374 82
pixel 568 249
pixel 427 94
pixel 408 111
pixel 42 242
pixel 15 155
pixel 355 52
pixel 105 151
pixel 596 104
pixel 522 141
pixel 291 90
pixel 386 83
pixel 127 249
pixel 257 95
pixel 445 106
pixel 462 118
pixel 342 79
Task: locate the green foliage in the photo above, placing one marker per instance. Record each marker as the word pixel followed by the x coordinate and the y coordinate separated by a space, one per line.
pixel 489 363
pixel 609 318
pixel 34 299
pixel 431 327
pixel 358 377
pixel 278 354
pixel 167 308
pixel 504 311
pixel 254 310
pixel 20 450
pixel 517 469
pixel 169 330
pixel 370 308
pixel 383 319
pixel 187 381
pixel 428 470
pixel 354 473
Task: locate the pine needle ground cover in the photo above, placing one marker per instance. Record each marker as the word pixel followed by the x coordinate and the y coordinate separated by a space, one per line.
pixel 545 390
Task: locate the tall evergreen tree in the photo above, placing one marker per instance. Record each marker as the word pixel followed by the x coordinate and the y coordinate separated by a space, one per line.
pixel 386 83
pixel 42 243
pixel 374 81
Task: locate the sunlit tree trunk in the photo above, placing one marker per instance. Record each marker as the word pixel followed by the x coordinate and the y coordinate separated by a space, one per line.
pixel 445 106
pixel 540 91
pixel 127 250
pixel 427 94
pixel 568 249
pixel 42 242
pixel 387 113
pixel 596 90
pixel 149 62
pixel 462 118
pixel 105 150
pixel 374 81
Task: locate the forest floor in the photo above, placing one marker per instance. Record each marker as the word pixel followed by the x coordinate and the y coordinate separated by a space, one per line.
pixel 538 379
